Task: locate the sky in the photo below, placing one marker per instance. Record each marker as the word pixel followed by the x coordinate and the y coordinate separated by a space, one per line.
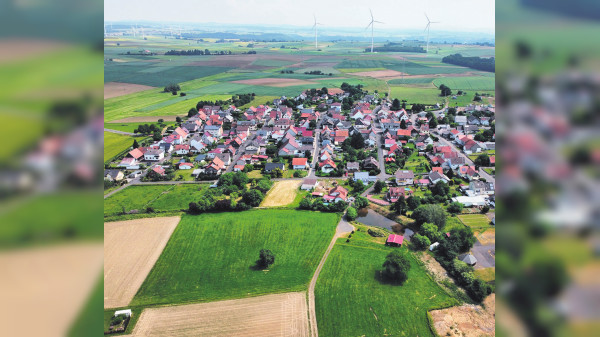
pixel 454 15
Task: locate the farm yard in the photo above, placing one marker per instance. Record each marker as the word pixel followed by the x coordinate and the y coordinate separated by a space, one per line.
pixel 211 256
pixel 282 193
pixel 131 249
pixel 351 301
pixel 269 315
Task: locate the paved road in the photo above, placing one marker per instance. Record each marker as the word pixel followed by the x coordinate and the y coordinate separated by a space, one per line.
pixel 379 131
pixel 241 150
pixel 485 255
pixel 342 228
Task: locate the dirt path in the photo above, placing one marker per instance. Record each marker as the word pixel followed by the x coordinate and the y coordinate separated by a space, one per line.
pixel 122 132
pixel 342 228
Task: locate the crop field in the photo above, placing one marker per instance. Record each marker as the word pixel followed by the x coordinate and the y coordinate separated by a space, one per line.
pixel 115 89
pixel 131 249
pixel 126 127
pixel 146 73
pixel 351 301
pixel 475 220
pixel 269 315
pixel 212 256
pixel 133 197
pixel 114 144
pixel 416 95
pixel 413 80
pixel 282 193
pixel 467 83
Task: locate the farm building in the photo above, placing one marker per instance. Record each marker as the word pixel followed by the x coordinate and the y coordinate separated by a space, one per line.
pixel 126 312
pixel 470 201
pixel 394 240
pixel 309 184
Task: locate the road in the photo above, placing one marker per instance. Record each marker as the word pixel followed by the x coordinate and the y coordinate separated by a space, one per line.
pixel 485 255
pixel 241 150
pixel 379 131
pixel 342 228
pixel 468 160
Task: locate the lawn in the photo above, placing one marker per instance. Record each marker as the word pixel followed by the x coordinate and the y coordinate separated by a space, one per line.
pixel 133 197
pixel 475 220
pixel 115 144
pixel 486 274
pixel 178 197
pixel 211 256
pixel 350 301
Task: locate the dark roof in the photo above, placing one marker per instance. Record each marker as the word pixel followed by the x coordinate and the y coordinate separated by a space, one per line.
pixel 272 166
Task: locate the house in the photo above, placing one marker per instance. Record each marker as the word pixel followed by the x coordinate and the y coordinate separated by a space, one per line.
pixel 182 149
pixel 214 130
pixel 394 193
pixel 364 177
pixel 224 157
pixel 154 155
pixel 404 177
pixel 467 172
pixel 214 167
pixel 159 170
pixel 470 201
pixel 309 184
pixel 435 176
pixel 370 163
pixel 389 143
pixel 394 240
pixel 113 175
pixel 352 166
pixel 471 146
pixel 327 166
pixel 186 166
pixel 468 259
pixel 269 167
pixel 300 163
pixel 336 194
pixel 481 188
pixel 460 120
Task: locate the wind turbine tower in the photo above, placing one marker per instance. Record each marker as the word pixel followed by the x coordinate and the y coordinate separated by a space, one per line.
pixel 429 22
pixel 372 24
pixel 315 29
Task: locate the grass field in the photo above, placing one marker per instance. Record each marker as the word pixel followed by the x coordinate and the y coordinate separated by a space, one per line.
pixel 475 221
pixel 282 193
pixel 350 301
pixel 126 127
pixel 133 197
pixel 416 95
pixel 486 274
pixel 211 256
pixel 114 144
pixel 179 197
pixel 157 76
pixel 472 83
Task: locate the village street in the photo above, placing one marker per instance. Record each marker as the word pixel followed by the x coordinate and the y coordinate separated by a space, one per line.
pixel 468 160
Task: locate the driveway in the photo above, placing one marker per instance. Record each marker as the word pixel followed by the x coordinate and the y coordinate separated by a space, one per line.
pixel 485 255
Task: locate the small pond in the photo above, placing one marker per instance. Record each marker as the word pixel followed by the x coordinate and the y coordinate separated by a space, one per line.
pixel 369 217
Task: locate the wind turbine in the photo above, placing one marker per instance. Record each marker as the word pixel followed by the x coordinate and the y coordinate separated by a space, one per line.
pixel 429 22
pixel 371 24
pixel 315 28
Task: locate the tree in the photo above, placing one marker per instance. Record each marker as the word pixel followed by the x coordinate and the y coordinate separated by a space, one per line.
pixel 430 213
pixel 192 112
pixel 178 120
pixel 403 124
pixel 160 121
pixel 440 188
pixel 420 242
pixel 156 136
pixel 455 207
pixel 444 90
pixel 252 197
pixel 485 209
pixel 305 204
pixel 135 144
pixel 351 213
pixel 433 123
pixel 413 202
pixel 361 202
pixel 482 160
pixel 357 141
pixel 431 231
pixel 400 206
pixel 396 104
pixel 277 173
pixel 265 258
pixel 379 185
pixel 396 267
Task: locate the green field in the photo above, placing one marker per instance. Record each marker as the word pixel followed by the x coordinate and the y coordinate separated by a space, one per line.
pixel 133 197
pixel 475 221
pixel 413 81
pixel 350 301
pixel 115 144
pixel 416 95
pixel 211 256
pixel 472 83
pixel 126 127
pixel 149 73
pixel 179 197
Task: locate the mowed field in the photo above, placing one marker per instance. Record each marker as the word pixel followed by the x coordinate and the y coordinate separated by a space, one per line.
pixel 114 144
pixel 282 193
pixel 467 83
pixel 475 220
pixel 130 250
pixel 212 256
pixel 116 89
pixel 133 197
pixel 351 301
pixel 269 315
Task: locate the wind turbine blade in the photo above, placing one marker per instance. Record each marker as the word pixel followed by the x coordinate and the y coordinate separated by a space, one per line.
pixel 435 22
pixel 427 17
pixel 369 25
pixel 426 28
pixel 379 22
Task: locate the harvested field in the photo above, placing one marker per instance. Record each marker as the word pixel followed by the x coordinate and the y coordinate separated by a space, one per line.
pixel 116 89
pixel 50 283
pixel 275 82
pixel 146 119
pixel 379 73
pixel 488 237
pixel 270 315
pixel 130 250
pixel 282 193
pixel 467 320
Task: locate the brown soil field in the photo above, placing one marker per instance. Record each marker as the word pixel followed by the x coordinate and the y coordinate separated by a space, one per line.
pixel 379 73
pixel 467 320
pixel 282 193
pixel 275 82
pixel 51 284
pixel 130 250
pixel 270 315
pixel 115 89
pixel 146 119
pixel 19 49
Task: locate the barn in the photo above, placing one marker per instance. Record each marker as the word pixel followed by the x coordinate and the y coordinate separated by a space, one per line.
pixel 395 240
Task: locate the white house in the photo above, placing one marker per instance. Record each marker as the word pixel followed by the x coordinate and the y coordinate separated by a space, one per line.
pixel 154 155
pixel 470 201
pixel 364 177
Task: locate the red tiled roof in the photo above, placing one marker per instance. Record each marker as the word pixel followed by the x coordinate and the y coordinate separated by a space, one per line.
pixel 299 161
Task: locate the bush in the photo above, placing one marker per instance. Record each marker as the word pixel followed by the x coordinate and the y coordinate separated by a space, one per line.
pixel 396 267
pixel 351 213
pixel 485 209
pixel 361 202
pixel 455 207
pixel 420 242
pixel 265 258
pixel 430 213
pixel 149 209
pixel 376 233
